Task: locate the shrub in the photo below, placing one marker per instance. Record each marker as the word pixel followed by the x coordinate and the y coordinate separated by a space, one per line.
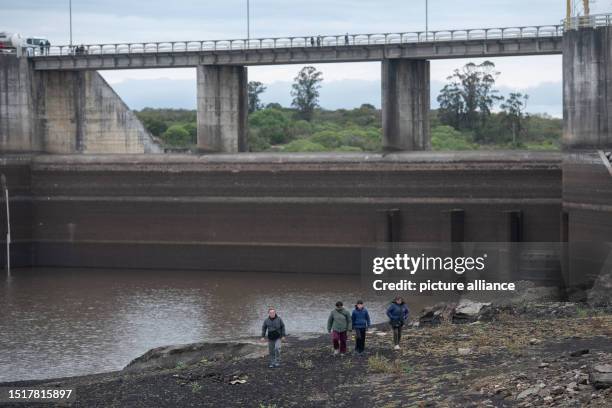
pixel 271 125
pixel 303 145
pixel 448 138
pixel 176 135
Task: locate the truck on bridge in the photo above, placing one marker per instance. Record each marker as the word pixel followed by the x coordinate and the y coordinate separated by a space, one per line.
pixel 13 43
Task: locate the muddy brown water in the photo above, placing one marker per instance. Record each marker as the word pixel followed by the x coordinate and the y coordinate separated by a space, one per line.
pixel 65 322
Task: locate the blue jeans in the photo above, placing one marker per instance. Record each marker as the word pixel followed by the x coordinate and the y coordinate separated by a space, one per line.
pixel 274 348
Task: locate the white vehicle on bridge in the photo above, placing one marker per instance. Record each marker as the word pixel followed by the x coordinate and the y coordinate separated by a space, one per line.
pixel 10 42
pixel 37 45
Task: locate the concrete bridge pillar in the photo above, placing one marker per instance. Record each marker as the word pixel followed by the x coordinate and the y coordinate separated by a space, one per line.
pixel 405 104
pixel 587 88
pixel 587 179
pixel 222 108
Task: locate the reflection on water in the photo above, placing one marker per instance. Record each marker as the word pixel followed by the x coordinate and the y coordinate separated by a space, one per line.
pixel 63 322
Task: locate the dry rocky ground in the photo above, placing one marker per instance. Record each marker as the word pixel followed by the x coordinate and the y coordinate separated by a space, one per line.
pixel 536 355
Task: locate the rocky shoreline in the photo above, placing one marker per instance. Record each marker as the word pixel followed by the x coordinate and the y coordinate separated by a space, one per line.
pixel 526 355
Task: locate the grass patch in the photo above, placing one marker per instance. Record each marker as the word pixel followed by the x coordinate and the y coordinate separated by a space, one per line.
pixel 381 364
pixel 306 364
pixel 196 387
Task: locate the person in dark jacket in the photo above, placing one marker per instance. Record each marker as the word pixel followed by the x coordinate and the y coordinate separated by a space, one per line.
pixel 361 321
pixel 339 324
pixel 397 312
pixel 275 329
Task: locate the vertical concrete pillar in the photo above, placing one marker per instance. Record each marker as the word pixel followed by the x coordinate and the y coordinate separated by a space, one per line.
pixel 405 104
pixel 18 128
pixel 222 108
pixel 587 88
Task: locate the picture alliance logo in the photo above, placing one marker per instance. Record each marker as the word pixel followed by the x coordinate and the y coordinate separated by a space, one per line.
pixel 414 264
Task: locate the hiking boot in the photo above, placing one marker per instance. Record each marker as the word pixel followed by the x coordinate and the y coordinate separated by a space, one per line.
pixel 397 347
pixel 336 352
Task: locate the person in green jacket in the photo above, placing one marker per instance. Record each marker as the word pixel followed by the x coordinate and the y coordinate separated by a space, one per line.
pixel 339 324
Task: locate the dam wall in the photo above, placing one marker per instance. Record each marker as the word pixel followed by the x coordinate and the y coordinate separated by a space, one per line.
pixel 279 212
pixel 17 170
pixel 587 136
pixel 65 112
pixel 587 215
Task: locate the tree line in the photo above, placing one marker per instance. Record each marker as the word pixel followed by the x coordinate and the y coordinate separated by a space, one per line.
pixel 472 114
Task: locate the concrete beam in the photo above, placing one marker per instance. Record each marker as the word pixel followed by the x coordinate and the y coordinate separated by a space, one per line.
pixel 305 55
pixel 222 108
pixel 405 104
pixel 587 88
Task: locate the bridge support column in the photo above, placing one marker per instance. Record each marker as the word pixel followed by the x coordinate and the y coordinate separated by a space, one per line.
pixel 405 104
pixel 222 108
pixel 587 88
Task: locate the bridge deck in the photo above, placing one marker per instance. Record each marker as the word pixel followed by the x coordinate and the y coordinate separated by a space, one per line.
pixel 488 43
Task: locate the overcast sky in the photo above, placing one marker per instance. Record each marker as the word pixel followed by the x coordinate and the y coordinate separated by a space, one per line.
pixel 345 85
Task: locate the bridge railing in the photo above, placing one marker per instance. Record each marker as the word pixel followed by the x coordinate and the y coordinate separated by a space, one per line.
pixel 594 20
pixel 341 40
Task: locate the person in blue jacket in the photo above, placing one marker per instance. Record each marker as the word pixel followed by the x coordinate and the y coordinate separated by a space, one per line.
pixel 361 321
pixel 397 312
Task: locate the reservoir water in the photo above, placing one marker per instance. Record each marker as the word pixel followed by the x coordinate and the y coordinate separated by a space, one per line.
pixel 65 322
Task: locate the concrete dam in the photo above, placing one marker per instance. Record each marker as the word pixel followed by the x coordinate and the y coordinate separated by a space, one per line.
pixel 78 198
pixel 300 213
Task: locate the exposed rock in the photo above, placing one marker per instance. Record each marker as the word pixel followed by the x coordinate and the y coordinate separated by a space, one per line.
pixel 187 354
pixel 601 292
pixel 601 376
pixel 468 311
pixel 578 353
pixel 464 351
pixel 437 314
pixel 529 392
pixel 557 390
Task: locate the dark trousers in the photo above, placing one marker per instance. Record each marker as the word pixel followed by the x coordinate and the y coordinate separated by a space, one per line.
pixel 339 340
pixel 397 335
pixel 360 338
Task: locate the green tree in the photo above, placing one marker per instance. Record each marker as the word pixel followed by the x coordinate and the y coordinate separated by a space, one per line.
pixel 271 125
pixel 154 125
pixel 255 88
pixel 274 105
pixel 514 114
pixel 467 100
pixel 305 91
pixel 177 135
